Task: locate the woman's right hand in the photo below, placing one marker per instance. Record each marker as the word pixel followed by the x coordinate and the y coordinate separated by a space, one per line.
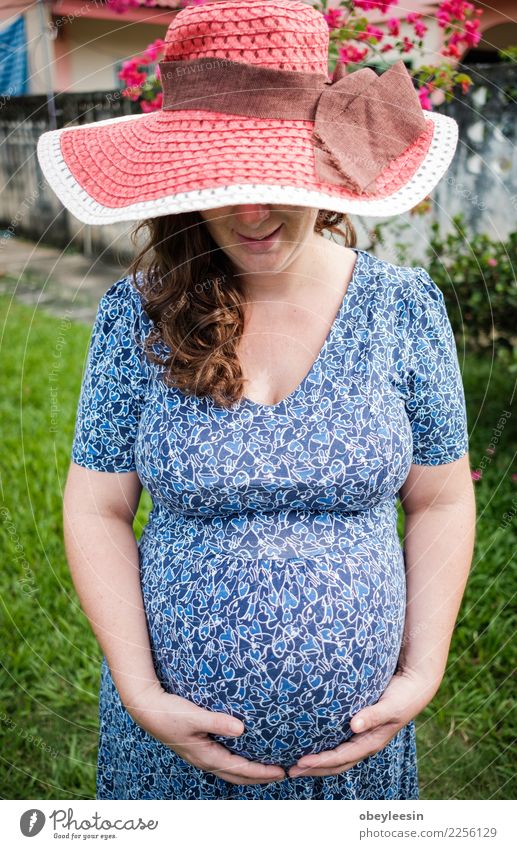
pixel 185 728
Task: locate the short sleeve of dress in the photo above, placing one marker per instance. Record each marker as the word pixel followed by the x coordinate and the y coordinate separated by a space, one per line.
pixel 113 385
pixel 435 404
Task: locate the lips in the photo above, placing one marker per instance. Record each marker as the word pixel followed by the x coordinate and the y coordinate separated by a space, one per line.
pixel 260 238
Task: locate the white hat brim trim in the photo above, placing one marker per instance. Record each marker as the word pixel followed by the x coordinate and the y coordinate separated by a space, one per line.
pixel 90 211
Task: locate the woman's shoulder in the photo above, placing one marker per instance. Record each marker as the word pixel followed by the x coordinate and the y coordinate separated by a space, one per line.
pixel 124 293
pixel 398 285
pixel 124 303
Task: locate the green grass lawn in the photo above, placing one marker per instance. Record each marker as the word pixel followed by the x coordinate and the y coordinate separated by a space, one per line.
pixel 50 672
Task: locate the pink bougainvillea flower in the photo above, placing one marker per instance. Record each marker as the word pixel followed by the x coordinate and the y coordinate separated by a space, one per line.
pixel 393 26
pixel 420 29
pixel 121 6
pixel 333 18
pixel 131 93
pixel 370 31
pixel 351 53
pixel 476 475
pixel 452 12
pixel 492 261
pixel 135 79
pixel 376 31
pixel 423 94
pixel 154 104
pixel 153 50
pixel 130 74
pixel 382 5
pixel 451 50
pixel 366 5
pixel 129 65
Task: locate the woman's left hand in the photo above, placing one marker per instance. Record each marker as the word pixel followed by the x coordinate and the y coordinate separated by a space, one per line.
pixel 406 695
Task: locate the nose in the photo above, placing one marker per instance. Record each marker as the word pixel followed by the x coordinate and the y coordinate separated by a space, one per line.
pixel 252 215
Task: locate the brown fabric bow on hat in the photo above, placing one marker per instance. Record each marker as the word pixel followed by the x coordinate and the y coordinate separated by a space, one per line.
pixel 362 120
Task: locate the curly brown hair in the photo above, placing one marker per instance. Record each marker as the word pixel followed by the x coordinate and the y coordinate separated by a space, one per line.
pixel 196 303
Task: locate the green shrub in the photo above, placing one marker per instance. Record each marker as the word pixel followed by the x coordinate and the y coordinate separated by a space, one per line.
pixel 476 275
pixel 477 278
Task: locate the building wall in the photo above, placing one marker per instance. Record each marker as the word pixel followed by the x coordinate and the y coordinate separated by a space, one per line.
pixel 94 46
pixel 83 40
pixel 41 76
pixel 498 36
pixel 91 40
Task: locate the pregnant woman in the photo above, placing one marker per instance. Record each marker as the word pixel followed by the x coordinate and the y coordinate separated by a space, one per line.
pixel 276 392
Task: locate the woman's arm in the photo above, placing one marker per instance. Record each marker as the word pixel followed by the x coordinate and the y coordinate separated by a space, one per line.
pixel 440 518
pixel 98 514
pixel 439 505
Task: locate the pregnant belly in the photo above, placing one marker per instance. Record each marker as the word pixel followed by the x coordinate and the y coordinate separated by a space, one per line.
pixel 293 647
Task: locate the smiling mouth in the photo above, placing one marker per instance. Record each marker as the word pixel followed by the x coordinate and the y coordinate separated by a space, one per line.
pixel 260 238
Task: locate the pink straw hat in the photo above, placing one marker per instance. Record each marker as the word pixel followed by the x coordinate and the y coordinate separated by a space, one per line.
pixel 250 115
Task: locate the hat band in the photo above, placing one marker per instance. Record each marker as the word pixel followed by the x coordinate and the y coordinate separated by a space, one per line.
pixel 362 121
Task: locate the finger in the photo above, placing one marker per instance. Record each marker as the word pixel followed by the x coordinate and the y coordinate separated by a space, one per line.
pixel 223 724
pixel 353 750
pixel 367 719
pixel 255 773
pixel 215 757
pixel 296 773
pixel 233 779
pixel 335 761
pixel 387 709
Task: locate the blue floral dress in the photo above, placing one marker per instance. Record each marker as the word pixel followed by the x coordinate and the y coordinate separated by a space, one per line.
pixel 272 573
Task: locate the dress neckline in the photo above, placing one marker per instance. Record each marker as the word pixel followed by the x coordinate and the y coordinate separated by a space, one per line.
pixel 347 297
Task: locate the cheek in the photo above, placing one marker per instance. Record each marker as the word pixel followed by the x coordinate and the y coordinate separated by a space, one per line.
pixel 219 233
pixel 302 227
pixel 216 220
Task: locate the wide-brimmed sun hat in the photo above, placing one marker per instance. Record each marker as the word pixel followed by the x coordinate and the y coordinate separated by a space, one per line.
pixel 250 115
